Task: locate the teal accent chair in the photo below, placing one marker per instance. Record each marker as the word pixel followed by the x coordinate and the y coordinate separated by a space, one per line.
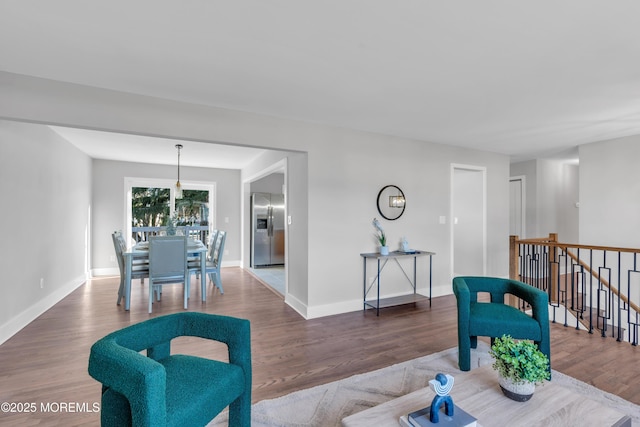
pixel 161 389
pixel 494 319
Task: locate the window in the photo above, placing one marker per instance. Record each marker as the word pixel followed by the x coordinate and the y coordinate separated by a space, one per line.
pixel 150 203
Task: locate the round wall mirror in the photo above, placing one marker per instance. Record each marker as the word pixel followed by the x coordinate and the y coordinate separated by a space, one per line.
pixel 391 202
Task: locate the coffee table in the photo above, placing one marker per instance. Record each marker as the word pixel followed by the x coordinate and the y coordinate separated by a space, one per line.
pixel 478 393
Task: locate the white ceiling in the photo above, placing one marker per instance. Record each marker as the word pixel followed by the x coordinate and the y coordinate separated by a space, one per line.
pixel 520 78
pixel 143 149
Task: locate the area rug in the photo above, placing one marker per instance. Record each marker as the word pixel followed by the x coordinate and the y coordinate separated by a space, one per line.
pixel 328 404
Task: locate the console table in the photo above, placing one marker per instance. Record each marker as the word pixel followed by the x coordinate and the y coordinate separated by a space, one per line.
pixel 382 260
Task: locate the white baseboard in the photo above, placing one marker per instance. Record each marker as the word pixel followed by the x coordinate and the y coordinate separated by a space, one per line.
pixel 114 271
pixel 97 272
pixel 232 263
pixel 297 305
pixel 27 316
pixel 334 308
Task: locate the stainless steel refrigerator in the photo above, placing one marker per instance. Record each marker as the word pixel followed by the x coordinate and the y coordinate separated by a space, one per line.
pixel 267 229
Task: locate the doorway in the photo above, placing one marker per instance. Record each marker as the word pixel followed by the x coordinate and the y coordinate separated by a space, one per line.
pixel 267 243
pixel 468 220
pixel 517 206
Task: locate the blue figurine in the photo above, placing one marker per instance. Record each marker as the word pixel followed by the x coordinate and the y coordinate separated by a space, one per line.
pixel 442 385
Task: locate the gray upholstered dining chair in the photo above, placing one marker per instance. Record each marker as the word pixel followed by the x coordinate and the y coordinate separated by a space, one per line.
pixel 210 242
pixel 139 269
pixel 214 260
pixel 167 264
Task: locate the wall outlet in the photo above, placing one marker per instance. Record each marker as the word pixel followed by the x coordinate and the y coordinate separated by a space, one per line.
pixel 226 252
pixel 112 258
pixel 42 283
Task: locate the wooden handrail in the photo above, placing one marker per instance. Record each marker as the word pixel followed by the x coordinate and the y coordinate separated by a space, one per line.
pixel 548 275
pixel 600 279
pixel 551 243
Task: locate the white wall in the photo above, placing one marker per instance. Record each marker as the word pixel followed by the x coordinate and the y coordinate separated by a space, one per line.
pixel 551 197
pixel 610 193
pixel 272 183
pixel 45 216
pixel 342 172
pixel 109 207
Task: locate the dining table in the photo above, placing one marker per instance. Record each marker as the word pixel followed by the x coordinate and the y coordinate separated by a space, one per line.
pixel 140 252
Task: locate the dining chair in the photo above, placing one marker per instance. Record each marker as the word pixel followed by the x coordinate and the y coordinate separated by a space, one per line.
pixel 213 236
pixel 139 269
pixel 167 264
pixel 214 260
pixel 210 242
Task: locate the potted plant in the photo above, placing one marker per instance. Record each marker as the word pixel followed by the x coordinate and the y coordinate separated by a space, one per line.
pixel 381 238
pixel 520 365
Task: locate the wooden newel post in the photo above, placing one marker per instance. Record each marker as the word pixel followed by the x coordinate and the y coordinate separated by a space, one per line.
pixel 514 254
pixel 553 271
pixel 514 273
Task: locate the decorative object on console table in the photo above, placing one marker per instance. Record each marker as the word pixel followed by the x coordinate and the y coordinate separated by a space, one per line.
pixel 404 247
pixel 520 365
pixel 431 416
pixel 381 238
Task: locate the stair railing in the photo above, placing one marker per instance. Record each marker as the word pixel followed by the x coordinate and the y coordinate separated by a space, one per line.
pixel 598 285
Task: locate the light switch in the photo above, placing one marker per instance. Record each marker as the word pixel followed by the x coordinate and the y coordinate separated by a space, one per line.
pixel 289 219
pixel 226 219
pixel 443 219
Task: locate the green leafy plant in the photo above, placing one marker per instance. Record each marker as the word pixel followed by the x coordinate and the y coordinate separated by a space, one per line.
pixel 379 234
pixel 519 360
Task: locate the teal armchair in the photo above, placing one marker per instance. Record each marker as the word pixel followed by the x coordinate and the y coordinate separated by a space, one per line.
pixel 495 318
pixel 161 389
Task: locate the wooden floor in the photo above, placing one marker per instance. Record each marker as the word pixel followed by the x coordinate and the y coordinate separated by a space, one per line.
pixel 45 364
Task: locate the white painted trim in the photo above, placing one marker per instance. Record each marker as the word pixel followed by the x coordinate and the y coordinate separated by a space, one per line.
pixel 108 271
pixel 27 316
pixel 483 170
pixel 334 308
pixel 297 305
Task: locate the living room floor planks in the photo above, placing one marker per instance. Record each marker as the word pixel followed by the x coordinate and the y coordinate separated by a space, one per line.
pixel 46 362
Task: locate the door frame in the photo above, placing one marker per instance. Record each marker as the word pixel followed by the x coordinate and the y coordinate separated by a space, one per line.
pixel 523 202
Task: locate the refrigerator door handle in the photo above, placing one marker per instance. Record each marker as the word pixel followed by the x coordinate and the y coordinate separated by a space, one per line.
pixel 270 221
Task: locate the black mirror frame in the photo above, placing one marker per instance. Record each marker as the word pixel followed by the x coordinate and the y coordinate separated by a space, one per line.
pixel 379 207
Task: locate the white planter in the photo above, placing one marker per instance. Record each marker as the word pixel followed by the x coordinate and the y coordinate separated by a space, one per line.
pixel 384 250
pixel 520 392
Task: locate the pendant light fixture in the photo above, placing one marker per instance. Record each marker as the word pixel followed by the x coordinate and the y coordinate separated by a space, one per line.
pixel 178 192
